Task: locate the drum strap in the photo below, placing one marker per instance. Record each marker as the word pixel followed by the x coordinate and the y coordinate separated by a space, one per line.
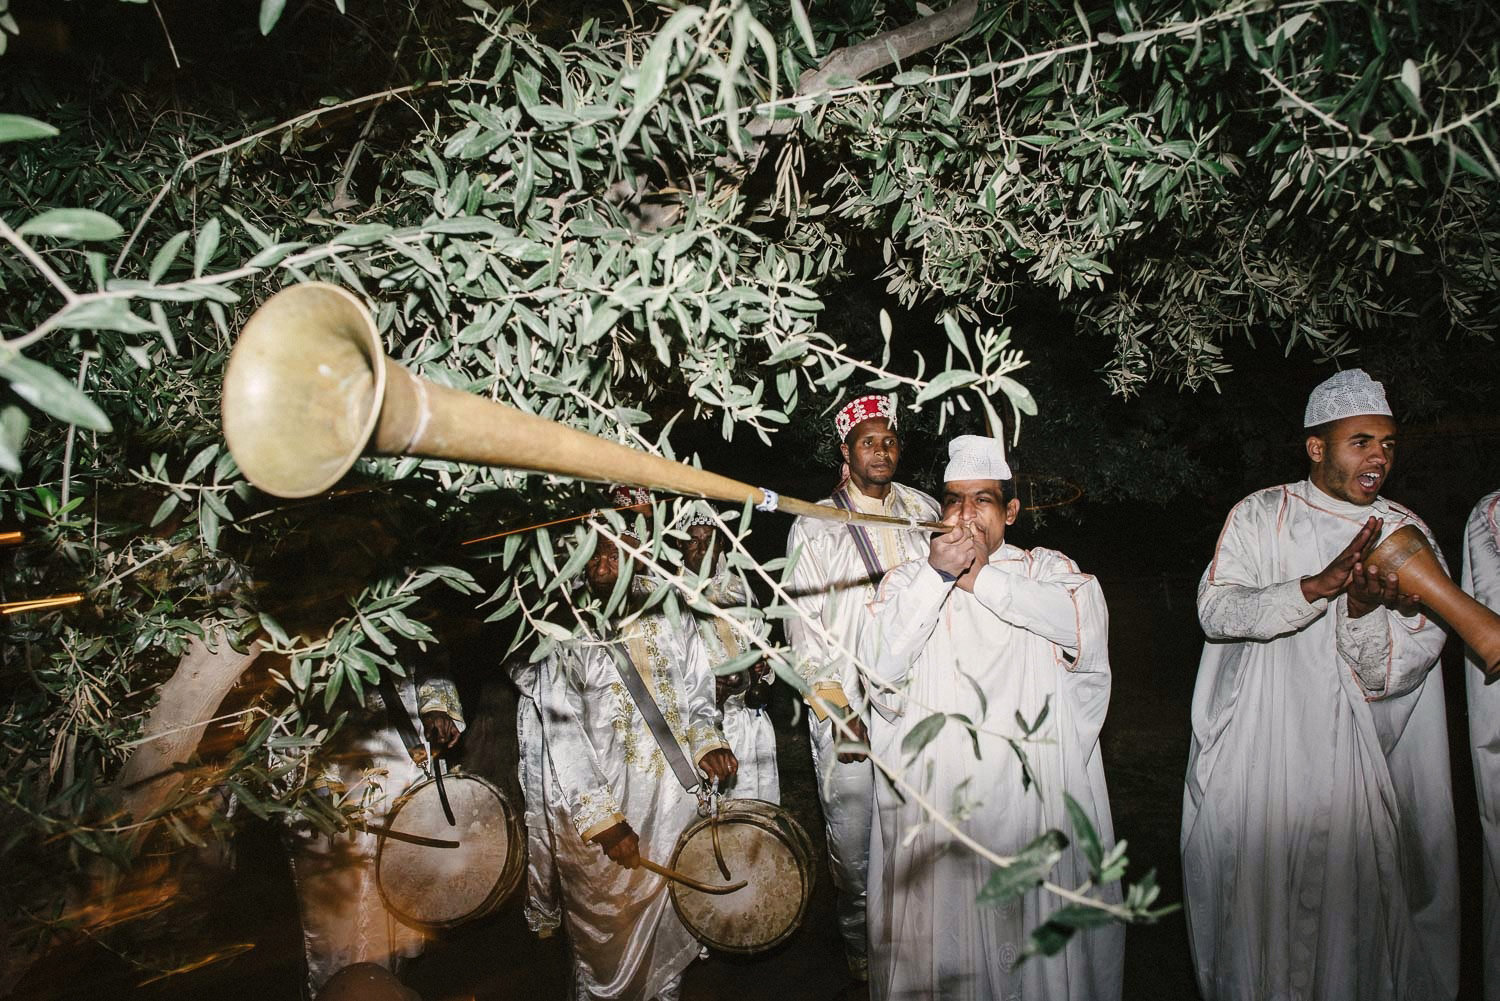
pixel 863 544
pixel 396 713
pixel 651 713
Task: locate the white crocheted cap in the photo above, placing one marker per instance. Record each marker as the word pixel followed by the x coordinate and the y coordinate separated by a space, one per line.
pixel 699 516
pixel 1345 394
pixel 975 457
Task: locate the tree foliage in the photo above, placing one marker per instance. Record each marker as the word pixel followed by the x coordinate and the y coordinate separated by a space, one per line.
pixel 630 226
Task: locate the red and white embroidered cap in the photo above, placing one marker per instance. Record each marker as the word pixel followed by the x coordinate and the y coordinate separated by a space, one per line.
pixel 862 409
pixel 624 496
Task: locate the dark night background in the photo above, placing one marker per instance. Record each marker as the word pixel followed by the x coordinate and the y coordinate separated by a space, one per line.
pixel 1157 473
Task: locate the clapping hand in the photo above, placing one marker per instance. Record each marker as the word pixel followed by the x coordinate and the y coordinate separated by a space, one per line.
pixel 1335 578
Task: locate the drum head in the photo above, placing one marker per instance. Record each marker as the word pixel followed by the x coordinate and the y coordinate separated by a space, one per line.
pixel 761 844
pixel 432 887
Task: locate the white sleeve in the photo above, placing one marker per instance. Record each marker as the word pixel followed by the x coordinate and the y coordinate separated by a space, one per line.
pixel 1234 603
pixel 902 617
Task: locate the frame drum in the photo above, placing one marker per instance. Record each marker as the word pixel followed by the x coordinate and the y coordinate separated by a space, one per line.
pixel 428 887
pixel 762 844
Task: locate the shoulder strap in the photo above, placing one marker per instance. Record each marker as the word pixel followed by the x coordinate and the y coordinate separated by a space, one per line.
pixel 395 714
pixel 630 675
pixel 862 543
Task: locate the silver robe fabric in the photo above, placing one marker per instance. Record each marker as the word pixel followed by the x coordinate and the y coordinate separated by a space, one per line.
pixel 543 906
pixel 831 586
pixel 749 731
pixel 1034 633
pixel 1318 839
pixel 1481 578
pixel 603 765
pixel 344 919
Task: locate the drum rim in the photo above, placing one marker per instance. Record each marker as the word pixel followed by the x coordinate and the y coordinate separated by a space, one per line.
pixel 799 844
pixel 510 873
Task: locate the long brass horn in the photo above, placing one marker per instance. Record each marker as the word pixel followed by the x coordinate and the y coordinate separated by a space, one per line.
pixel 1406 553
pixel 308 388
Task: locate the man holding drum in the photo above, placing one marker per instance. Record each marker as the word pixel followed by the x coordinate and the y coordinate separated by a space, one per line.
pixel 979 633
pixel 618 788
pixel 747 727
pixel 1317 834
pixel 344 919
pixel 836 570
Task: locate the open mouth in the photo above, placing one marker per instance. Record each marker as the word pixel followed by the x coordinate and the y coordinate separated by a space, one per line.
pixel 1369 481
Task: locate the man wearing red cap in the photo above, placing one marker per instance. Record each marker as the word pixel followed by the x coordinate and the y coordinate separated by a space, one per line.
pixel 833 578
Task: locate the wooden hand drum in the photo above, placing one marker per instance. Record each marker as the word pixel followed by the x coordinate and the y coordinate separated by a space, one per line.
pixel 759 842
pixel 428 887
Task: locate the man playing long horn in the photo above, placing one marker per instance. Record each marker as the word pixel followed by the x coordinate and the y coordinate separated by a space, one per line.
pixel 1317 831
pixel 623 750
pixel 985 631
pixel 836 570
pixel 1482 580
pixel 747 727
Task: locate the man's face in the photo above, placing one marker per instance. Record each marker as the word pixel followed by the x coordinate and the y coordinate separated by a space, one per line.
pixel 1352 459
pixel 980 503
pixel 603 568
pixel 700 542
pixel 872 451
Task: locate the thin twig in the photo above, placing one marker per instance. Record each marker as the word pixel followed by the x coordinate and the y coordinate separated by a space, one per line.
pixel 170 47
pixel 67 470
pixel 292 122
pixel 37 262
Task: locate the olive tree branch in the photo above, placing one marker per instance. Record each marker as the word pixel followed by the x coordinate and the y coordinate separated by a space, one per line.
pixel 642 554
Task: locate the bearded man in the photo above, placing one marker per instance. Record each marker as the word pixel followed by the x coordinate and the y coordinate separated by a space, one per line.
pixel 619 783
pixel 1481 578
pixel 1318 840
pixel 985 631
pixel 833 578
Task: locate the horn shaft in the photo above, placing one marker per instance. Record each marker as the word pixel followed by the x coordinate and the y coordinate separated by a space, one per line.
pixel 1406 553
pixel 308 388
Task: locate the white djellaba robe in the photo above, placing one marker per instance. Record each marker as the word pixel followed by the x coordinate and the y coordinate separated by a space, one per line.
pixel 830 585
pixel 1481 578
pixel 543 905
pixel 604 766
pixel 749 731
pixel 344 919
pixel 1318 842
pixel 1034 632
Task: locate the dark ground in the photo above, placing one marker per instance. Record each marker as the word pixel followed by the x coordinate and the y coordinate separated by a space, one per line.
pixel 1154 644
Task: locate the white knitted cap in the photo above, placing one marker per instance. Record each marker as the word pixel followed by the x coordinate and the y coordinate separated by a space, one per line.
pixel 975 457
pixel 1345 394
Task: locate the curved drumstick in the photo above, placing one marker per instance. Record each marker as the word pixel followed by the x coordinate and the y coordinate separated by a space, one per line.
pixel 689 881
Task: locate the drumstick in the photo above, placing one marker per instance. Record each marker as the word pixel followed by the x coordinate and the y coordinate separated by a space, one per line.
pixel 411 839
pixel 689 881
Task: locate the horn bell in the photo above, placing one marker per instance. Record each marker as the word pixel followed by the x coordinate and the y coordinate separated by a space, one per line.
pixel 303 389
